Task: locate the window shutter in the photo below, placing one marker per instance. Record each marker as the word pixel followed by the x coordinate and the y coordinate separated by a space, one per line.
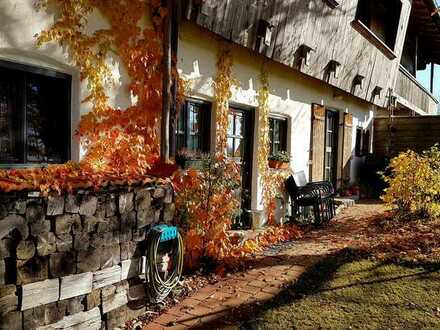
pixel 347 147
pixel 317 143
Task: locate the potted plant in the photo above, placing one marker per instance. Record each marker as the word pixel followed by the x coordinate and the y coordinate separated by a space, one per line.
pixel 279 160
pixel 186 158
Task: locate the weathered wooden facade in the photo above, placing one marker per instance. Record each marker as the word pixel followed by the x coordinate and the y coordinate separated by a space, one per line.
pixel 342 43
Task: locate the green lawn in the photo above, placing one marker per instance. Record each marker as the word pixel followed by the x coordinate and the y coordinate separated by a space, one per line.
pixel 343 294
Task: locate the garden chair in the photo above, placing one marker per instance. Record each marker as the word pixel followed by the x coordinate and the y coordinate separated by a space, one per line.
pixel 320 195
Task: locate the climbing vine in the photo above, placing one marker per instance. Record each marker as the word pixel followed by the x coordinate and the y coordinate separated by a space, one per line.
pixel 120 144
pixel 271 182
pixel 222 94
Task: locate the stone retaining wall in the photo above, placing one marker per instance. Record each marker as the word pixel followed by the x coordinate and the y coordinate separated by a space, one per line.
pixel 72 260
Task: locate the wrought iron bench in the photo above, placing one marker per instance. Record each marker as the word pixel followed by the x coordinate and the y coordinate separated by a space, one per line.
pixel 319 195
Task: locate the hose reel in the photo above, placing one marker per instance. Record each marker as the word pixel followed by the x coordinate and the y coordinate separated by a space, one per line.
pixel 164 254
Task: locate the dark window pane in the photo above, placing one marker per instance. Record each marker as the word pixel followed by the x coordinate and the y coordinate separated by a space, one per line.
pixel 277 135
pixel 46 127
pixel 8 131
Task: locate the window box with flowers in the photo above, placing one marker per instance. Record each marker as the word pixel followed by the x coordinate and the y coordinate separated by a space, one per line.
pixel 279 161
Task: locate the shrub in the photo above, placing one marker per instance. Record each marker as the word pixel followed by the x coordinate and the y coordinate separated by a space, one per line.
pixel 282 156
pixel 414 183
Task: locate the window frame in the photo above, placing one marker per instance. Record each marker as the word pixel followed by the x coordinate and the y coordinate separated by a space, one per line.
pixel 283 144
pixel 22 70
pixel 204 129
pixel 362 27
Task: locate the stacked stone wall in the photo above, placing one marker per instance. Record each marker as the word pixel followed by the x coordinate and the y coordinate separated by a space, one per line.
pixel 72 260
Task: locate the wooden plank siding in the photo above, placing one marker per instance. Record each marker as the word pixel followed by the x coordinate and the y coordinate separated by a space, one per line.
pixel 408 88
pixel 328 31
pixel 404 133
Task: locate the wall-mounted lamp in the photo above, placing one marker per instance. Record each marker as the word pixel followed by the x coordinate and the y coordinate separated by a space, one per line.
pixel 264 32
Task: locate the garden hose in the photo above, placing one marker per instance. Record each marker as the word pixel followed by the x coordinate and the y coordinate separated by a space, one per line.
pixel 164 249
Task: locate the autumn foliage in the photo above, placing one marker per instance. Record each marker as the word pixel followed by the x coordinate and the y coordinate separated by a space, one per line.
pixel 120 144
pixel 414 183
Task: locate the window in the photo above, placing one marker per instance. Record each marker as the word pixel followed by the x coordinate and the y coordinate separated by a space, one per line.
pixel 382 18
pixel 362 147
pixel 358 147
pixel 193 126
pixel 277 135
pixel 34 115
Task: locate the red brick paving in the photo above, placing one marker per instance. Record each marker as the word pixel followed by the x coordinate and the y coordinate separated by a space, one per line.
pixel 270 275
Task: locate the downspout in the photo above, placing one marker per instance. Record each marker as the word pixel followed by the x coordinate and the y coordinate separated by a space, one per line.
pixel 166 86
pixel 174 49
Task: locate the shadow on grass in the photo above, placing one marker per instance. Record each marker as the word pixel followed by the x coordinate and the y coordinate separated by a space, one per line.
pixel 313 281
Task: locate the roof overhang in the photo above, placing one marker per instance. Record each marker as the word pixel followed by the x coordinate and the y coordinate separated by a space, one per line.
pixel 425 20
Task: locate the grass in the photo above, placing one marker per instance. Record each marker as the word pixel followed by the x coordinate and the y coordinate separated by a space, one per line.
pixel 342 293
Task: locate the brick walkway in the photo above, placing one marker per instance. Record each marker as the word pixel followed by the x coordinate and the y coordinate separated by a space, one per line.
pixel 273 272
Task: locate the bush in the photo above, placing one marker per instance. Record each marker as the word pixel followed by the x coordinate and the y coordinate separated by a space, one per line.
pixel 414 183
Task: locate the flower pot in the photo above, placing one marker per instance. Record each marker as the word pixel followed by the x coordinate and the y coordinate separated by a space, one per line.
pixel 190 163
pixel 278 164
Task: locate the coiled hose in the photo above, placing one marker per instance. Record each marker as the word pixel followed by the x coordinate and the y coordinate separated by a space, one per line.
pixel 159 286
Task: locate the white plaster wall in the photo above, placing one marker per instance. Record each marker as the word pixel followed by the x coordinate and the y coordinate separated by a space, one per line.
pixel 291 94
pixel 19 22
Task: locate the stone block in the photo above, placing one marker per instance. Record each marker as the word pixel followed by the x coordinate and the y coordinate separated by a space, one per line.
pixel 110 206
pixel 88 205
pixel 64 223
pixel 111 302
pixel 64 242
pixel 25 250
pixel 62 264
pixel 139 235
pixel 169 194
pixel 40 293
pixel 75 305
pixel 20 206
pixel 8 299
pixel 90 223
pixel 81 242
pixel 72 203
pixel 90 320
pixel 110 256
pixel 93 299
pixel 145 217
pixel 55 205
pixel 159 192
pixel 7 248
pixel 11 222
pixel 46 244
pixel 11 321
pixel 40 227
pixel 116 318
pixel 104 239
pixel 129 269
pixel 76 285
pixel 108 276
pixel 42 315
pixel 32 270
pixel 89 261
pixel 128 220
pixel 104 226
pixel 128 250
pixel 143 198
pixel 125 235
pixel 34 213
pixel 168 212
pixel 126 202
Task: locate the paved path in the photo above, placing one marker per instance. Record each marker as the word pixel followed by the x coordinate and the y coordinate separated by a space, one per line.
pixel 275 270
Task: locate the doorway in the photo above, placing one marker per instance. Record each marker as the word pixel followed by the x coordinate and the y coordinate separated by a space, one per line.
pixel 331 146
pixel 239 149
